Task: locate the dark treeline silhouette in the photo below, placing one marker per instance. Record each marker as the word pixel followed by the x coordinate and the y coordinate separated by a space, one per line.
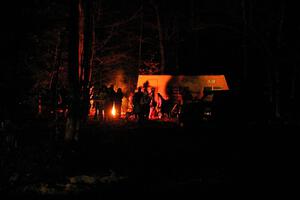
pixel 255 44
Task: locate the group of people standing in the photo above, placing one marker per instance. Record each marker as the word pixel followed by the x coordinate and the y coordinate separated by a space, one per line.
pixel 142 101
pixel 149 105
pixel 103 101
pixel 143 104
pixel 146 106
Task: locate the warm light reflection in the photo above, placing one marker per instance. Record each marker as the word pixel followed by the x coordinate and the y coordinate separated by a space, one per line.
pixel 113 110
pixel 195 84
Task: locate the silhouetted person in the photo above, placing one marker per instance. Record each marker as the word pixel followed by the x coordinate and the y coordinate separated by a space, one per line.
pixel 164 106
pixel 129 110
pixel 96 103
pixel 137 102
pixel 110 98
pixel 118 102
pixel 153 104
pixel 107 104
pixel 145 106
pixel 101 100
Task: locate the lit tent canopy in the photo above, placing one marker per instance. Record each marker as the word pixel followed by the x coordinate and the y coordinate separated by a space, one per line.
pixel 195 84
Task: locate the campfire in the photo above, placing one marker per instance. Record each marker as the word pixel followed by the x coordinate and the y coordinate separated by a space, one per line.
pixel 113 110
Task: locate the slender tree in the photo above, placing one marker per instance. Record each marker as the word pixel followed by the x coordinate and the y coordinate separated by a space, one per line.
pixel 80 58
pixel 245 33
pixel 277 68
pixel 161 37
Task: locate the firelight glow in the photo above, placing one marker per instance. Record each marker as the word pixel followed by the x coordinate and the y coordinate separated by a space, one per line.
pixel 113 110
pixel 196 84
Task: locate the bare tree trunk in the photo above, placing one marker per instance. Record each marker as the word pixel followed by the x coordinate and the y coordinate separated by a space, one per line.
pixel 192 14
pixel 80 63
pixel 293 83
pixel 293 108
pixel 245 32
pixel 75 70
pixel 141 39
pixel 176 56
pixel 89 43
pixel 57 63
pixel 161 38
pixel 276 73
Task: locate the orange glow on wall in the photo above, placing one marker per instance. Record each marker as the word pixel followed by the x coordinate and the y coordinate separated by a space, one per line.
pixel 195 84
pixel 214 82
pixel 159 82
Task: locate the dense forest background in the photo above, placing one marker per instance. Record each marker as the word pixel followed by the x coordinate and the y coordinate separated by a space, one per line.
pixel 254 43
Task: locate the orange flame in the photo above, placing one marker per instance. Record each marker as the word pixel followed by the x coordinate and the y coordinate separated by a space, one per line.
pixel 113 111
